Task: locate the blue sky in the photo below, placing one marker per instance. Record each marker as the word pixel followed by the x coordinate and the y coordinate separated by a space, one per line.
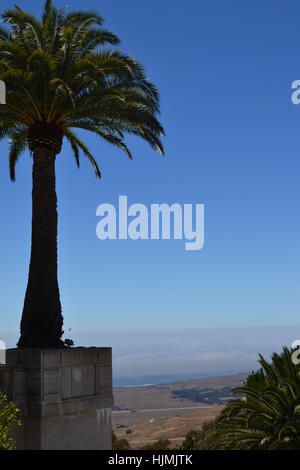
pixel 224 70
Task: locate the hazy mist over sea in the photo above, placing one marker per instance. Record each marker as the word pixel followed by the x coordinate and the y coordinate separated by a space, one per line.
pixel 146 357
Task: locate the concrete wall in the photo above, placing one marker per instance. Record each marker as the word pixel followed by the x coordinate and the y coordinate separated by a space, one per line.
pixel 65 397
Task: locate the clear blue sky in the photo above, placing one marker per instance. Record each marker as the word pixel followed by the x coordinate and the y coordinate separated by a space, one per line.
pixel 224 70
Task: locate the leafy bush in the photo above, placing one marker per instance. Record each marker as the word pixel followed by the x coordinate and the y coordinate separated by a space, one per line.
pixel 119 444
pixel 161 444
pixel 199 439
pixel 8 422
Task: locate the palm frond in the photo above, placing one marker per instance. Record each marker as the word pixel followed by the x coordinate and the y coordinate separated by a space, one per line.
pixel 17 145
pixel 76 142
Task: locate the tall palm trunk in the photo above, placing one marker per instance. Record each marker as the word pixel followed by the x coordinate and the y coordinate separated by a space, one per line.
pixel 42 321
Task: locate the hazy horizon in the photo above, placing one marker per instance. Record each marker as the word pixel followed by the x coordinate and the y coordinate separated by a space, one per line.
pixel 167 355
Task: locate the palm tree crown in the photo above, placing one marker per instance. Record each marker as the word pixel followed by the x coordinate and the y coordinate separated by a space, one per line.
pixel 59 77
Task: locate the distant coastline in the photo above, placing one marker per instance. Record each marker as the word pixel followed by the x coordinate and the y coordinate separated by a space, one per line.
pixel 149 381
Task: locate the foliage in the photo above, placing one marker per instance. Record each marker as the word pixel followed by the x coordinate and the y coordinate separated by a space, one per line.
pixel 123 444
pixel 267 417
pixel 119 444
pixel 8 422
pixel 60 74
pixel 199 439
pixel 161 444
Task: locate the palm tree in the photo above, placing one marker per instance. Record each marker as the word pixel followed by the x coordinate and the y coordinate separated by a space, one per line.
pixel 59 76
pixel 268 417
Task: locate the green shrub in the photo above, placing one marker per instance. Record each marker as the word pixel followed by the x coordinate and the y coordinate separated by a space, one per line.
pixel 200 439
pixel 119 444
pixel 8 422
pixel 162 444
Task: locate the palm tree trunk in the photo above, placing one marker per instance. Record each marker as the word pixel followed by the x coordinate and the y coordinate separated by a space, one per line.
pixel 41 325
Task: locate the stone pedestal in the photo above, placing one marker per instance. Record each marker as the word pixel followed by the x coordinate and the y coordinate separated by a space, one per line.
pixel 64 396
